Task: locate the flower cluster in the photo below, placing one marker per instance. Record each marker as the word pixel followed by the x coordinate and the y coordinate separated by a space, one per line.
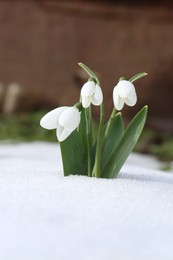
pixel 77 119
pixel 66 119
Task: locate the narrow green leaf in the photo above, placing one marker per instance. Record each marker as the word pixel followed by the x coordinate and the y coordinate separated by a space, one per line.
pixel 114 135
pixel 82 129
pixel 89 72
pixel 94 130
pixel 119 155
pixel 73 155
pixel 83 135
pixel 138 76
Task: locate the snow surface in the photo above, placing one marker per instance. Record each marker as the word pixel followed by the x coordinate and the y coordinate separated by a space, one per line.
pixel 45 216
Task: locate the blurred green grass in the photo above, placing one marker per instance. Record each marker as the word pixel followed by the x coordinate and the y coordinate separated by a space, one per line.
pixel 25 127
pixel 156 143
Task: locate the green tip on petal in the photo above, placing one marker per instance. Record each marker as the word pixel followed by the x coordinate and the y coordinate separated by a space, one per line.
pixel 122 78
pixel 92 79
pixel 79 106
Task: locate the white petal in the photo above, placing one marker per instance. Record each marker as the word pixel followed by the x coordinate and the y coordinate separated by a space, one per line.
pixel 125 88
pixel 88 89
pixel 97 98
pixel 118 102
pixel 69 118
pixel 59 131
pixel 62 133
pixel 131 100
pixel 86 101
pixel 50 120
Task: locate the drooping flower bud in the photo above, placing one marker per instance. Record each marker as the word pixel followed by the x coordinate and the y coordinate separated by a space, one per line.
pixel 91 93
pixel 124 93
pixel 64 119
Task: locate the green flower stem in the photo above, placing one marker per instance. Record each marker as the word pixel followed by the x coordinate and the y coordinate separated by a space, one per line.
pixel 138 76
pixel 109 125
pixel 90 128
pixel 96 170
pixel 89 138
pixel 89 72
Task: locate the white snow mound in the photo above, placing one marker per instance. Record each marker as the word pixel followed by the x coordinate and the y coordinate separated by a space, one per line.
pixel 45 216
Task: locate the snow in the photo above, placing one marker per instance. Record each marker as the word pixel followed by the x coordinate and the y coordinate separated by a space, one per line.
pixel 45 216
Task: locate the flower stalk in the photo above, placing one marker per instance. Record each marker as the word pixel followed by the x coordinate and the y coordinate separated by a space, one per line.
pixel 89 139
pixel 96 170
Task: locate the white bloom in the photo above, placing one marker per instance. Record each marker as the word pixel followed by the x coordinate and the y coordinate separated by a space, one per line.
pixel 64 119
pixel 124 92
pixel 91 93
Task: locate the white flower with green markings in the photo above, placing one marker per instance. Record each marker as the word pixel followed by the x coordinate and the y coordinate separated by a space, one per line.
pixel 124 93
pixel 64 119
pixel 91 93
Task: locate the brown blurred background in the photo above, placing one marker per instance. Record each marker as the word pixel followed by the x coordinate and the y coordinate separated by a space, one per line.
pixel 42 41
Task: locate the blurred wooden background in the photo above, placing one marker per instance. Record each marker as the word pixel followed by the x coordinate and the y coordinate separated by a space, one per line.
pixel 42 41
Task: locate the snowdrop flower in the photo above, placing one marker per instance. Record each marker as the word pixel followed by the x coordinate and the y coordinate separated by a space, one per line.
pixel 124 92
pixel 91 93
pixel 64 119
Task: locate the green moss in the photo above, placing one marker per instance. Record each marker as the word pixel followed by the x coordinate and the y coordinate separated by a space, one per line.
pixel 163 151
pixel 25 127
pixel 158 144
pixel 166 167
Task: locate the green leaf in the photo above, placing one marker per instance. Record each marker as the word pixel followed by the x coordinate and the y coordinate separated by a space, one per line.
pixel 138 76
pixel 89 72
pixel 73 155
pixel 82 129
pixel 114 135
pixel 119 155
